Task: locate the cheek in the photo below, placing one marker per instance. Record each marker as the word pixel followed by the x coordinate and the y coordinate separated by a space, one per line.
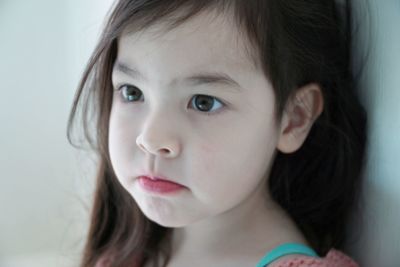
pixel 116 155
pixel 120 147
pixel 216 152
pixel 235 163
pixel 207 149
pixel 213 166
pixel 206 161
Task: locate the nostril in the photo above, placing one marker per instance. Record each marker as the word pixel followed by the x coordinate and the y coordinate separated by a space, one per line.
pixel 164 151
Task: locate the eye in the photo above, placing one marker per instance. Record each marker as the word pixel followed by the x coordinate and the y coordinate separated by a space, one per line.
pixel 130 93
pixel 205 103
pixel 202 103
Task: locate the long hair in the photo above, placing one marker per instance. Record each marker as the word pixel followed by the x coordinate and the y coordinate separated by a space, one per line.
pixel 295 42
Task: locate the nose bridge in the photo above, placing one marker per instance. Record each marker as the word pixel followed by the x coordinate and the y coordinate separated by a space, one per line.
pixel 159 133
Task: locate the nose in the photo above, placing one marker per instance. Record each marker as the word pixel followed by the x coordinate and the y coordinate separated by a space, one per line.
pixel 157 139
pixel 157 148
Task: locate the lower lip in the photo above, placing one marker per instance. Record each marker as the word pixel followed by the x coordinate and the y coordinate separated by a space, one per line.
pixel 159 186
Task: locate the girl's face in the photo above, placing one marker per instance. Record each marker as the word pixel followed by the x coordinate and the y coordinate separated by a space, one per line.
pixel 159 121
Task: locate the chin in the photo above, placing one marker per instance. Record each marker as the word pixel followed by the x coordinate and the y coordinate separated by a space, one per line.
pixel 168 221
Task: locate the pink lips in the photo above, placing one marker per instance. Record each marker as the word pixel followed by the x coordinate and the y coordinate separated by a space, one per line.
pixel 159 185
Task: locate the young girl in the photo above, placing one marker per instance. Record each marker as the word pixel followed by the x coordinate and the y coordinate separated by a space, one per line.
pixel 228 134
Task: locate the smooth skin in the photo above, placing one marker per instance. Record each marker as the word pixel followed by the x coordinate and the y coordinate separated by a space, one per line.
pixel 224 216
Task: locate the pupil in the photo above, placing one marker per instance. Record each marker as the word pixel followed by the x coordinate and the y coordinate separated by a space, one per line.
pixel 128 93
pixel 203 102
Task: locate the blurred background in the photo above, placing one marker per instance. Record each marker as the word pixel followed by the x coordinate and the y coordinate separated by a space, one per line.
pixel 46 185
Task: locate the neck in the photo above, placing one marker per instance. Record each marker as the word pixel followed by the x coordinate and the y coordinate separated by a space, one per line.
pixel 247 231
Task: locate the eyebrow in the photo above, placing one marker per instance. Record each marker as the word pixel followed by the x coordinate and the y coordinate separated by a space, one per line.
pixel 202 78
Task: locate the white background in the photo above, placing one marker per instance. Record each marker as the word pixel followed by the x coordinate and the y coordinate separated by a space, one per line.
pixel 45 184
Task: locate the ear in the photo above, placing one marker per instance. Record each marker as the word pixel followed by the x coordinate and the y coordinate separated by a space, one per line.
pixel 301 110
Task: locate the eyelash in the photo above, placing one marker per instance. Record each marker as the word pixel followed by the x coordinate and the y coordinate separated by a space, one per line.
pixel 206 113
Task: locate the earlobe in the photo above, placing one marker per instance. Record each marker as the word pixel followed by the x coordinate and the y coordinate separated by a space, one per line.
pixel 301 110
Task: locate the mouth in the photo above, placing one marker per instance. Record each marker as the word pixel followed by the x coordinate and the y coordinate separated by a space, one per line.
pixel 159 185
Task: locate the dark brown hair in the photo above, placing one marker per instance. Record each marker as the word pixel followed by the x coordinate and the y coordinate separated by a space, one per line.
pixel 296 42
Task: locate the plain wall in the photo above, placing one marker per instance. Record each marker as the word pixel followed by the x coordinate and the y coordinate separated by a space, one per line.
pixel 44 183
pixel 376 238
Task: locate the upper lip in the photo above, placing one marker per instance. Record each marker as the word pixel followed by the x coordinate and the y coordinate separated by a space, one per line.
pixel 155 176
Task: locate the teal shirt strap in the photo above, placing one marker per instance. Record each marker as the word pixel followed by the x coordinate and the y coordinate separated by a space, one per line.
pixel 286 249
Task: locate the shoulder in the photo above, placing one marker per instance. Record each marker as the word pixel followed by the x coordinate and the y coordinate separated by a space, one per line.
pixel 103 261
pixel 334 258
pixel 106 260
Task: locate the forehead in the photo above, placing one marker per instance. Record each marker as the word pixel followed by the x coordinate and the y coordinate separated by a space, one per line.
pixel 205 41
